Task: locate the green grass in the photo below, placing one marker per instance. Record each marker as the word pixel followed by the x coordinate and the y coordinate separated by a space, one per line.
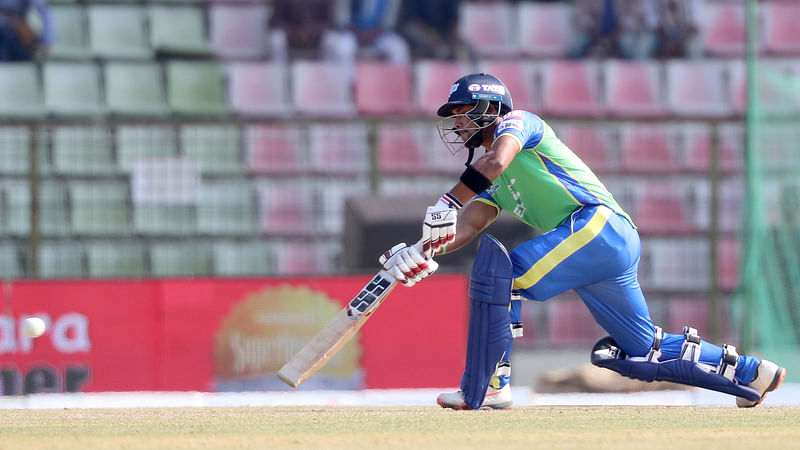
pixel 574 427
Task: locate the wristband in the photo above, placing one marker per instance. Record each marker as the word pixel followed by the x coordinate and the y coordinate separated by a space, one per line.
pixel 451 200
pixel 476 181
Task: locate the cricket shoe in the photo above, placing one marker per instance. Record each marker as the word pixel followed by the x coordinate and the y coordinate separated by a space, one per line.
pixel 768 377
pixel 495 399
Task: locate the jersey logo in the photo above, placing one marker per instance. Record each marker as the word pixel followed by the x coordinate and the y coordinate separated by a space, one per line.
pixel 453 88
pixel 516 114
pixel 513 124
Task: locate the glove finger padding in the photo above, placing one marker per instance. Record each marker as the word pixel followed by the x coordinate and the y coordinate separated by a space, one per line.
pixel 407 265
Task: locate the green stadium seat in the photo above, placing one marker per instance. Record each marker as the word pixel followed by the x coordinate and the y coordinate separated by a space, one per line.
pixel 227 207
pixel 242 259
pixel 100 207
pixel 178 31
pixel 135 89
pixel 117 260
pixel 11 261
pixel 163 219
pixel 16 209
pixel 216 149
pixel 62 260
pixel 144 142
pixel 196 88
pixel 82 150
pixel 69 24
pixel 73 88
pixel 53 211
pixel 119 31
pixel 20 94
pixel 15 150
pixel 184 259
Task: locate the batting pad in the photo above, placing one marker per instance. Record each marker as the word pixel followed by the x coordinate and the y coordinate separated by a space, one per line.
pixel 489 321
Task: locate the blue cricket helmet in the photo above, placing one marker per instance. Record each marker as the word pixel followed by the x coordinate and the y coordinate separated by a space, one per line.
pixel 474 89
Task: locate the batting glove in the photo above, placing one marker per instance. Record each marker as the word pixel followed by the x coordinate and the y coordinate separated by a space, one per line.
pixel 407 265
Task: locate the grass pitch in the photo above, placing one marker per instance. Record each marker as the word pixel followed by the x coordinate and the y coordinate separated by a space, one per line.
pixel 569 427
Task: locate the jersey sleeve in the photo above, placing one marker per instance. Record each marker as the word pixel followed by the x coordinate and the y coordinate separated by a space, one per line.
pixel 525 127
pixel 487 198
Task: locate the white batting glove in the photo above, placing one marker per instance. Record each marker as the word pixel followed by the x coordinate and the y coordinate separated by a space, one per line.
pixel 439 228
pixel 407 265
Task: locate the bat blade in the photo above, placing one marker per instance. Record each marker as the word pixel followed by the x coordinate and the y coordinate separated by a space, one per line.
pixel 327 343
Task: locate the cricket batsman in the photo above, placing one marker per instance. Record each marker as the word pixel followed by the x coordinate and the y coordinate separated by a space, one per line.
pixel 590 244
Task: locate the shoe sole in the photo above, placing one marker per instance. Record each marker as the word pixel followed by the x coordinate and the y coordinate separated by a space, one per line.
pixel 463 406
pixel 776 383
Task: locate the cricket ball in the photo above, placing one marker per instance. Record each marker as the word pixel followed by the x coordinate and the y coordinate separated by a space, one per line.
pixel 33 327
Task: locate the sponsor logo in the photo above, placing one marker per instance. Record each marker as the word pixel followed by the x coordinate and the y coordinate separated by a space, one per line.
pixel 453 88
pixel 516 114
pixel 513 124
pixel 487 88
pixel 474 87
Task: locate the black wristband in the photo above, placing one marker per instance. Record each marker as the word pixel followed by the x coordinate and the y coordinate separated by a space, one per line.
pixel 475 180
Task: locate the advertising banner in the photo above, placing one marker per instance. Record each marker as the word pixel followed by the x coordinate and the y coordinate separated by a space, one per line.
pixel 224 334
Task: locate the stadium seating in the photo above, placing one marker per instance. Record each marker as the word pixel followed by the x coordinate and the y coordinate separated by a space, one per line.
pixel 141 142
pixel 118 31
pixel 180 259
pixel 135 89
pixel 689 311
pixel 69 25
pixel 73 89
pixel 259 89
pixel 251 258
pixel 402 149
pixel 54 216
pixel 62 260
pixel 486 27
pixel 332 197
pixel 322 88
pixel 633 88
pixel 383 88
pixel 100 207
pixel 724 30
pixel 216 149
pixel 781 33
pixel 116 259
pixel 660 208
pixel 728 263
pixel 677 264
pixel 570 88
pixel 286 207
pixel 81 150
pixel 238 31
pixel 432 82
pixel 275 149
pixel 590 142
pixel 227 208
pixel 15 150
pixel 544 28
pixel 569 322
pixel 339 148
pixel 303 258
pixel 11 261
pixel 519 77
pixel 20 93
pixel 196 88
pixel 178 30
pixel 647 148
pixel 697 89
pixel 15 208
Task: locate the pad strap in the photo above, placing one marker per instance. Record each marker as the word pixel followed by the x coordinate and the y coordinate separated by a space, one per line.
pixel 690 351
pixel 729 361
pixel 475 181
pixel 655 350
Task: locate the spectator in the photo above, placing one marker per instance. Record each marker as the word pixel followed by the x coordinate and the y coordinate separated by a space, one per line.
pixel 431 29
pixel 611 28
pixel 373 23
pixel 679 29
pixel 308 28
pixel 18 40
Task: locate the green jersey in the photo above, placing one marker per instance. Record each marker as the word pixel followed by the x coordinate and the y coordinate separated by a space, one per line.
pixel 546 181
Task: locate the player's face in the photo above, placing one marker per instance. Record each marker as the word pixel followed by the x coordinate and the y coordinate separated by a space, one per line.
pixel 462 121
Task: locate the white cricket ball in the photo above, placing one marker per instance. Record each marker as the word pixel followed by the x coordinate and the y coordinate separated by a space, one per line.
pixel 33 327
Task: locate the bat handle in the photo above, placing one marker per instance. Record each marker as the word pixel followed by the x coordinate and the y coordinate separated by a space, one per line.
pixel 421 246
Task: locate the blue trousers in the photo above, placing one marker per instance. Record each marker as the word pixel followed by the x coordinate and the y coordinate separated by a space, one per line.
pixel 596 253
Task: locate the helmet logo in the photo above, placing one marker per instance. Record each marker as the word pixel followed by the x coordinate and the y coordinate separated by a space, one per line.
pixel 453 89
pixel 489 88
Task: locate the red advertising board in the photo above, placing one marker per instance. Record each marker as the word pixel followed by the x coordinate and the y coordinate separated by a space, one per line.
pixel 224 334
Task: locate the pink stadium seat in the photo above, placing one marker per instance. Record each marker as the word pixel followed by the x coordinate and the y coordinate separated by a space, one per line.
pixel 781 30
pixel 322 88
pixel 633 88
pixel 238 31
pixel 338 148
pixel 660 209
pixel 518 77
pixel 275 149
pixel 695 140
pixel 486 27
pixel 688 311
pixel 774 75
pixel 647 148
pixel 590 143
pixel 432 82
pixel 728 263
pixel 724 28
pixel 544 28
pixel 286 207
pixel 301 258
pixel 570 88
pixel 697 88
pixel 258 89
pixel 400 150
pixel 569 322
pixel 383 88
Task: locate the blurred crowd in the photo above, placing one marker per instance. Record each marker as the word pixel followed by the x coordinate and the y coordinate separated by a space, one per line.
pixel 401 30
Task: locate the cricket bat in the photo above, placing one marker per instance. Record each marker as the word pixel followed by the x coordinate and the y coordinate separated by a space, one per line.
pixel 327 343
